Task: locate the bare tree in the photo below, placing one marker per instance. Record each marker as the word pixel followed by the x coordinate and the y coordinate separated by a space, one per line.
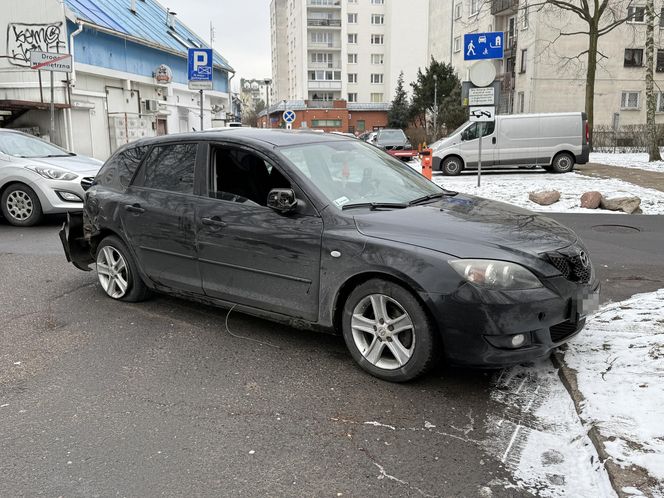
pixel 599 17
pixel 651 101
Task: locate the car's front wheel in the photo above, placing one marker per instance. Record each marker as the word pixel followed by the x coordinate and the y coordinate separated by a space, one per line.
pixel 21 206
pixel 387 331
pixel 117 272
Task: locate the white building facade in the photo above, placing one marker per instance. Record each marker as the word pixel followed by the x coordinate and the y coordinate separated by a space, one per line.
pixel 541 71
pixel 354 50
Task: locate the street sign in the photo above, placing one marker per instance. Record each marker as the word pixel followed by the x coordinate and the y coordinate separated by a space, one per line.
pixel 478 46
pixel 289 116
pixel 200 68
pixel 482 114
pixel 481 96
pixel 50 61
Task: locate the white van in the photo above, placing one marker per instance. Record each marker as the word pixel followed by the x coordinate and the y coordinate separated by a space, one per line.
pixel 553 141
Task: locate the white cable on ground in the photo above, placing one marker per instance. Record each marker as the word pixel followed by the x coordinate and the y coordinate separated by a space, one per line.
pixel 244 337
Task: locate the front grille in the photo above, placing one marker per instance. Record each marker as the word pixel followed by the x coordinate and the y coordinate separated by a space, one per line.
pixel 563 330
pixel 86 182
pixel 394 147
pixel 571 266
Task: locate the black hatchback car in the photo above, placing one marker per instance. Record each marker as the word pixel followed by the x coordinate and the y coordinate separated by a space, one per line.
pixel 326 232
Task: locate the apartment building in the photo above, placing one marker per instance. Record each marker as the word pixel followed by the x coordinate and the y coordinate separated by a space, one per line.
pixel 540 71
pixel 352 50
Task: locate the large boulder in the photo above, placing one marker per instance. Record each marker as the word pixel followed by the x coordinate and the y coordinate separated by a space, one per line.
pixel 545 197
pixel 591 200
pixel 627 204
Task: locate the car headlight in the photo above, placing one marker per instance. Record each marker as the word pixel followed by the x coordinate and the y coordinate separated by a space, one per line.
pixel 498 275
pixel 52 173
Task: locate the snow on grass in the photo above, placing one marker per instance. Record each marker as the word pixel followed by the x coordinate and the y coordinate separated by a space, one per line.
pixel 627 160
pixel 619 360
pixel 513 188
pixel 539 437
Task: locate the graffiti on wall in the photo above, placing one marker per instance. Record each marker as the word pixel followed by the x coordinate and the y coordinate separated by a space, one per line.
pixel 24 38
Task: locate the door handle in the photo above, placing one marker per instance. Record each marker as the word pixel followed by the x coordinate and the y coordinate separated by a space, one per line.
pixel 215 221
pixel 134 208
pixel 493 140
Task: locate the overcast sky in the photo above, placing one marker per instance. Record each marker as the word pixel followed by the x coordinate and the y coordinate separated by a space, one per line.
pixel 242 31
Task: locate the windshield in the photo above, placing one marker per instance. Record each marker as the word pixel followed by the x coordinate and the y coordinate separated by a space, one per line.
pixel 21 145
pixel 458 130
pixel 352 172
pixel 391 135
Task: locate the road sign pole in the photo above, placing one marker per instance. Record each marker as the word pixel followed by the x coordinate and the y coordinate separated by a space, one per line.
pixel 201 110
pixel 480 126
pixel 52 130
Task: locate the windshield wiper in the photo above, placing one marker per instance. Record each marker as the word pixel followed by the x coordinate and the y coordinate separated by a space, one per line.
pixel 376 205
pixel 59 155
pixel 438 195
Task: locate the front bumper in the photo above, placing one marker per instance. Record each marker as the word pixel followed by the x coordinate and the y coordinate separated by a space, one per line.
pixel 474 321
pixel 51 202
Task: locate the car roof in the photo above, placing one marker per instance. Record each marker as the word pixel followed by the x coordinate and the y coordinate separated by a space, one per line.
pixel 278 138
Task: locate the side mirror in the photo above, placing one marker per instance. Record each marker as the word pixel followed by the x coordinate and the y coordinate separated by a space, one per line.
pixel 282 200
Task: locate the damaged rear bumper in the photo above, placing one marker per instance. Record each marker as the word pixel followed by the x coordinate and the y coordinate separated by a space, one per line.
pixel 76 247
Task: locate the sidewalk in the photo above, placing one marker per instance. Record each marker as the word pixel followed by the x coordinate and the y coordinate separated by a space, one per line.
pixel 640 177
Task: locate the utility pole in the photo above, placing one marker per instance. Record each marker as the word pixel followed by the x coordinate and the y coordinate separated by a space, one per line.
pixel 267 82
pixel 435 106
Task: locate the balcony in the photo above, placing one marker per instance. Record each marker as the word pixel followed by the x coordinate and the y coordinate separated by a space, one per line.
pixel 335 66
pixel 499 7
pixel 324 85
pixel 330 4
pixel 334 45
pixel 324 23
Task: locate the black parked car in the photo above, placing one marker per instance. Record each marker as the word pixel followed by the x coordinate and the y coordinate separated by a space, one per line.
pixel 327 232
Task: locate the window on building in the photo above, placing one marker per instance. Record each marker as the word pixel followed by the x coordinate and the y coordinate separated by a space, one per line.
pixel 524 60
pixel 352 77
pixel 352 97
pixel 324 75
pixel 352 1
pixel 376 97
pixel 661 18
pixel 457 44
pixel 636 14
pixel 321 37
pixel 171 168
pixel 352 38
pixel 352 18
pixel 377 39
pixel 326 123
pixel 377 19
pixel 377 58
pixel 630 100
pixel 633 57
pixel 321 58
pixel 525 16
pixel 659 66
pixel 376 78
pixel 352 58
pixel 458 10
pixel 474 7
pixel 377 2
pixel 660 102
pixel 521 102
pixel 361 125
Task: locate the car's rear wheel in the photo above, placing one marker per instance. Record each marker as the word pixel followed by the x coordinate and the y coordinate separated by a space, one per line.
pixel 21 206
pixel 387 331
pixel 117 272
pixel 452 166
pixel 563 162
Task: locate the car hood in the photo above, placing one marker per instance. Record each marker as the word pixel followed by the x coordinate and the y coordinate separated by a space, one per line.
pixel 76 164
pixel 444 143
pixel 468 227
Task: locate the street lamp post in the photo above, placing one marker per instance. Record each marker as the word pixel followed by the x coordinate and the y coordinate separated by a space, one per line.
pixel 267 82
pixel 435 106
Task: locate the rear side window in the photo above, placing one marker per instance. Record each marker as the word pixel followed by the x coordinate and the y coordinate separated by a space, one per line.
pixel 171 168
pixel 119 170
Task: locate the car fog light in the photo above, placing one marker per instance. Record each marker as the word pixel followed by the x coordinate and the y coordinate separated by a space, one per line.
pixel 518 340
pixel 68 196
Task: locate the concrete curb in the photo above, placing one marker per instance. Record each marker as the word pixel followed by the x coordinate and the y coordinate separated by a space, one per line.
pixel 620 477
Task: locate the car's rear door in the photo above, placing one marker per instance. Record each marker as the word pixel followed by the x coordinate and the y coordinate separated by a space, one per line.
pixel 248 253
pixel 157 215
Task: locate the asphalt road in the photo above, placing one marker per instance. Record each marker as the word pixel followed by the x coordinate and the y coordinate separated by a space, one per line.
pixel 102 398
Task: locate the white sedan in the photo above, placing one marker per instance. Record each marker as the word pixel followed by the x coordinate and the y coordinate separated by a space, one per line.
pixel 38 178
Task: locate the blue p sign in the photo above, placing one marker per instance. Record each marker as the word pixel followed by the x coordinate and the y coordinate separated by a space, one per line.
pixel 200 64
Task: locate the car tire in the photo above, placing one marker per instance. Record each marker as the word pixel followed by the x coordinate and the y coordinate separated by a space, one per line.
pixel 396 343
pixel 119 277
pixel 563 162
pixel 452 166
pixel 21 206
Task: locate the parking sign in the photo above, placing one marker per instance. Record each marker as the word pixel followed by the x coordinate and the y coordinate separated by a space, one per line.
pixel 200 68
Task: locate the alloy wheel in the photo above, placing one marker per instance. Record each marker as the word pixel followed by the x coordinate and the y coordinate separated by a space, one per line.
pixel 112 272
pixel 19 205
pixel 383 331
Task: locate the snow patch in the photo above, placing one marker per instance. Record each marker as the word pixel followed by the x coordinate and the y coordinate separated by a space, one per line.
pixel 633 160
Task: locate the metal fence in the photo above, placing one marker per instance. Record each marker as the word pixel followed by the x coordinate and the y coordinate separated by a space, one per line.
pixel 633 138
